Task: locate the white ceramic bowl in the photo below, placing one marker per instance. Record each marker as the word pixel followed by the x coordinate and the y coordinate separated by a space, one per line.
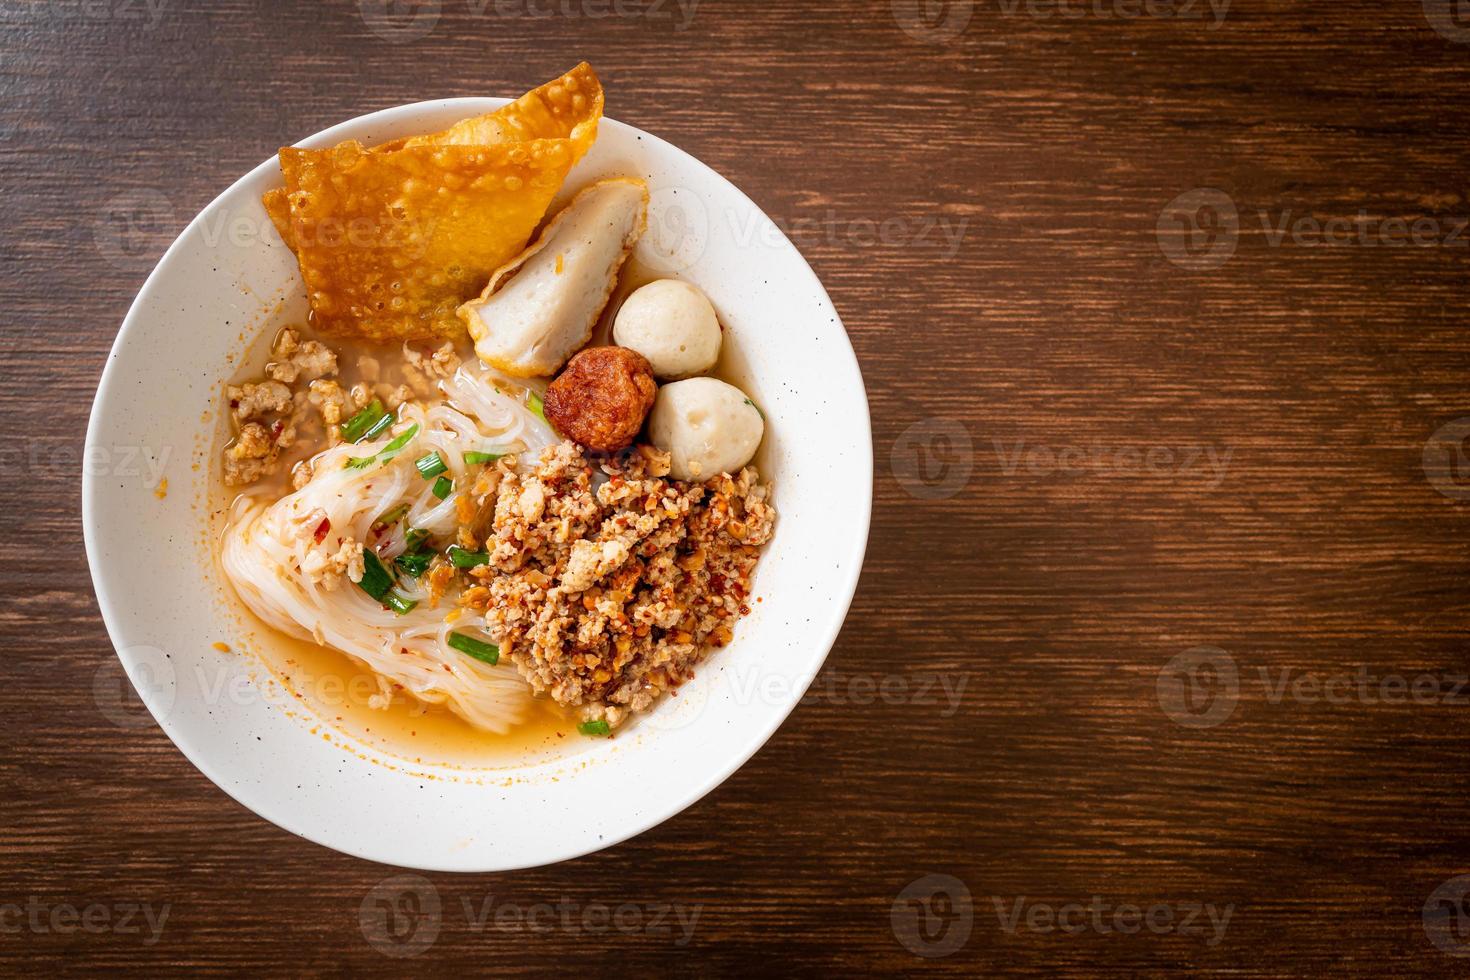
pixel 165 606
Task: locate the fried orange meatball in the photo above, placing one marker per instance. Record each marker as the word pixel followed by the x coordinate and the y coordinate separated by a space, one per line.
pixel 602 397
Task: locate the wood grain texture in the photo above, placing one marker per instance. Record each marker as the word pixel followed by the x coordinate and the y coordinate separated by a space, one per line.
pixel 984 212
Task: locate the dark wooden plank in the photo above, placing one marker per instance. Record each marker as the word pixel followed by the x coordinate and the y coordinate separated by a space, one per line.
pixel 984 211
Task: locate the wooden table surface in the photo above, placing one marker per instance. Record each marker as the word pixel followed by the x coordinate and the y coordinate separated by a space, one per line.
pixel 1157 663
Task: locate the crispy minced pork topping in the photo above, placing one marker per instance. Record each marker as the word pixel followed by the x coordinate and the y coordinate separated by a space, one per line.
pixel 424 371
pixel 268 413
pixel 607 599
pixel 301 390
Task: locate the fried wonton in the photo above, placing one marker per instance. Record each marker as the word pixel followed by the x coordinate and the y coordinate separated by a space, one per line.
pixel 391 240
pixel 568 108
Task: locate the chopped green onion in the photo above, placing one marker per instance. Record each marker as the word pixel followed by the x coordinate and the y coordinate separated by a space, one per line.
pixel 598 728
pixel 360 425
pixel 389 451
pixel 397 445
pixel 414 563
pixel 399 604
pixel 535 404
pixel 378 583
pixel 375 578
pixel 390 517
pixel 415 537
pixel 467 559
pixel 443 487
pixel 757 409
pixel 379 427
pixel 479 649
pixel 431 465
pixel 476 459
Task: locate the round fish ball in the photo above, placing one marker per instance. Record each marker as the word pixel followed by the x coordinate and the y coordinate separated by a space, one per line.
pixel 708 426
pixel 673 325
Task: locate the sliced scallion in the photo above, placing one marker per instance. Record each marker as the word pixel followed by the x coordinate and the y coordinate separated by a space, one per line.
pixel 376 581
pixel 479 649
pixel 415 537
pixel 443 487
pixel 399 604
pixel 378 427
pixel 600 729
pixel 477 459
pixel 389 451
pixel 414 563
pixel 431 465
pixel 397 445
pixel 467 559
pixel 391 516
pixel 535 404
pixel 357 428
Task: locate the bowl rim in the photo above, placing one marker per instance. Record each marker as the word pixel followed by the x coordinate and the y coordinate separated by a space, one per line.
pixel 753 742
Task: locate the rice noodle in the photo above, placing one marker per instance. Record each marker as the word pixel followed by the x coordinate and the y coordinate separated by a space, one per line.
pixel 270 554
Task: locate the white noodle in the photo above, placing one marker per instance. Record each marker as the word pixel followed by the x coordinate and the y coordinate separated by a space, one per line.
pixel 269 552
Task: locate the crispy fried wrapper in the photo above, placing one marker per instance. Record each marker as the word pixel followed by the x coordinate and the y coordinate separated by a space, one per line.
pixel 391 240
